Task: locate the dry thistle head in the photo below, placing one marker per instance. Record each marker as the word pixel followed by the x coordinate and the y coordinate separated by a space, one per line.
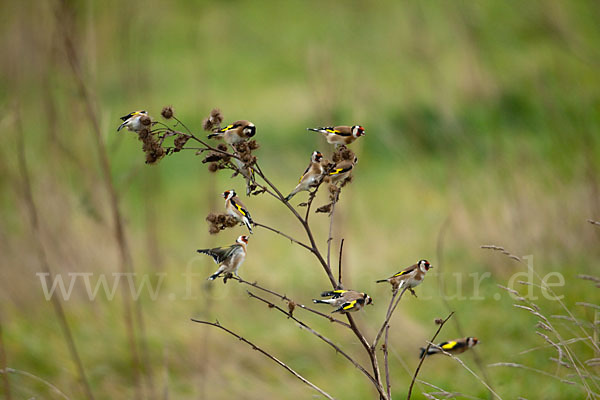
pixel 215 116
pixel 219 222
pixel 145 120
pixel 213 122
pixel 155 154
pixel 213 167
pixel 342 153
pixel 253 145
pixel 222 147
pixel 180 141
pixel 167 112
pixel 207 125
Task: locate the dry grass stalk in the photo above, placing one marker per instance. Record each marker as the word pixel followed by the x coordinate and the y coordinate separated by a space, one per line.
pixel 43 259
pixel 267 354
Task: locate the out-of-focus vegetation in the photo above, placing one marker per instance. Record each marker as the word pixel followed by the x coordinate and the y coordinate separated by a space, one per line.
pixel 482 117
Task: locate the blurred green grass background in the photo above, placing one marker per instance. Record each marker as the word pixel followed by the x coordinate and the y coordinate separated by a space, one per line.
pixel 481 115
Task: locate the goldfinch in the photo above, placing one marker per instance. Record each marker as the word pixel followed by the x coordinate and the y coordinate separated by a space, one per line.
pixel 340 134
pixel 345 301
pixel 229 258
pixel 311 177
pixel 132 121
pixel 235 133
pixel 235 208
pixel 456 346
pixel 341 170
pixel 409 277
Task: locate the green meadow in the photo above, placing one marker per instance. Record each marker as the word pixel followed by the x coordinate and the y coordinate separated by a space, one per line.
pixel 482 127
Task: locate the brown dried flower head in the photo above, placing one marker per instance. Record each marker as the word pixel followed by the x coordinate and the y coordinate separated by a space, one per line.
pixel 207 125
pixel 218 222
pixel 215 116
pixel 180 141
pixel 213 167
pixel 253 145
pixel 145 120
pixel 222 147
pixel 167 112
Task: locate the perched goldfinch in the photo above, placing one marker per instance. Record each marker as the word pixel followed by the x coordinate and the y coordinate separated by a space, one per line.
pixel 311 177
pixel 341 170
pixel 456 346
pixel 345 301
pixel 235 208
pixel 229 258
pixel 132 121
pixel 409 277
pixel 235 133
pixel 340 134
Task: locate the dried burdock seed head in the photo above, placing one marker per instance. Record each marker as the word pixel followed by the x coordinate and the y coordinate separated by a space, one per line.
pixel 212 218
pixel 347 154
pixel 145 120
pixel 180 141
pixel 153 156
pixel 167 112
pixel 215 116
pixel 212 157
pixel 213 230
pixel 207 125
pixel 324 209
pixel 143 134
pixel 253 145
pixel 213 167
pixel 439 321
pixel 222 147
pixel 333 189
pixel 241 147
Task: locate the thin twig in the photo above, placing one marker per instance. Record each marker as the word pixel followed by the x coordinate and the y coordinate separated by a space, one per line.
pixel 372 356
pixel 303 222
pixel 458 360
pixel 330 238
pixel 593 222
pixel 412 383
pixel 388 315
pixel 340 265
pixel 43 259
pixel 267 354
pixel 317 334
pixel 386 365
pixel 285 298
pixel 283 234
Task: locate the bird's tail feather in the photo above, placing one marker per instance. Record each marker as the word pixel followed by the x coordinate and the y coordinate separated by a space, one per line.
pixel 422 354
pixel 317 301
pixel 313 129
pixel 247 223
pixel 328 293
pixel 381 280
pixel 121 126
pixel 289 196
pixel 212 135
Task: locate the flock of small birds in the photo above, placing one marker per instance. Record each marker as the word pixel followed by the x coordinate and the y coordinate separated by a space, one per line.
pixel 230 258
